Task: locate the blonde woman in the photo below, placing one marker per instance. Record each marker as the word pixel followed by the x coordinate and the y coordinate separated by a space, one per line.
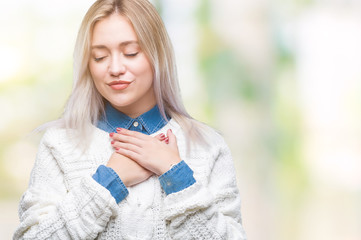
pixel 126 161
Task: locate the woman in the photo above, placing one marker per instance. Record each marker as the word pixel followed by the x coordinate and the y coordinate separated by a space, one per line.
pixel 126 161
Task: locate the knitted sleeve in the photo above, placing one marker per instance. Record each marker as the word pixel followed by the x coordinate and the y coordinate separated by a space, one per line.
pixel 50 210
pixel 210 208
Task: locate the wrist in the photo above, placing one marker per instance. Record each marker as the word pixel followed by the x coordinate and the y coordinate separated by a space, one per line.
pixel 177 179
pixel 119 173
pixel 169 165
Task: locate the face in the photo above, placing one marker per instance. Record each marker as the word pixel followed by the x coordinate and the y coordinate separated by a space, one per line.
pixel 121 71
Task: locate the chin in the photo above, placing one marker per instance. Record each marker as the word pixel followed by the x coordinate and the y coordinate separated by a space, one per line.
pixel 120 102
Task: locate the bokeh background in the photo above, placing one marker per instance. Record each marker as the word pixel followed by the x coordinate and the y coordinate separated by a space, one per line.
pixel 280 79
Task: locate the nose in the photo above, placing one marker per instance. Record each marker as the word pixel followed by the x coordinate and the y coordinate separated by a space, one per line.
pixel 116 67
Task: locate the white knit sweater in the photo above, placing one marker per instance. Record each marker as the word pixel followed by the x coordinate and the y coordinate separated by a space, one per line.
pixel 64 202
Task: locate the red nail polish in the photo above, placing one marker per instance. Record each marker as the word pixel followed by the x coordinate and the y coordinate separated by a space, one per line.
pixel 119 129
pixel 112 142
pixel 162 135
pixel 111 134
pixel 117 149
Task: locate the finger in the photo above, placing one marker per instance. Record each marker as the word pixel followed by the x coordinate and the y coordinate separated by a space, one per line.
pixel 160 137
pixel 134 134
pixel 128 153
pixel 136 157
pixel 172 138
pixel 131 147
pixel 126 139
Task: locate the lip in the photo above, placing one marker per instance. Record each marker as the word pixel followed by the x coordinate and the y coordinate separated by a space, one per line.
pixel 119 85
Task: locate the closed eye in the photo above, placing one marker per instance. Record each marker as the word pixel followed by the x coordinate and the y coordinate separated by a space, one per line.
pixel 131 54
pixel 99 59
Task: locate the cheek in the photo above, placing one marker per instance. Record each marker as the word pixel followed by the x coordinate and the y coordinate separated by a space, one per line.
pixel 145 71
pixel 94 71
pixel 96 75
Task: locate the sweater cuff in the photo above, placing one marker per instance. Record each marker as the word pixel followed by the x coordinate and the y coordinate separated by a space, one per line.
pixel 109 179
pixel 177 178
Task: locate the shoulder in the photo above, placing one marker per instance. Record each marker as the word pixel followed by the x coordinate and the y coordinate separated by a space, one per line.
pixel 63 138
pixel 55 142
pixel 53 136
pixel 206 137
pixel 212 136
pixel 67 148
pixel 215 142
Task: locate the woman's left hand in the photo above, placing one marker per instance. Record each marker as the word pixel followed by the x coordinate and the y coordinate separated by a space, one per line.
pixel 147 151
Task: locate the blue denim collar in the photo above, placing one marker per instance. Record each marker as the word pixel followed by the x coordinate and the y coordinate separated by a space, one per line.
pixel 148 123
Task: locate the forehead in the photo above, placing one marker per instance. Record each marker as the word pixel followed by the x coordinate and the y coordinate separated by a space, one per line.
pixel 114 29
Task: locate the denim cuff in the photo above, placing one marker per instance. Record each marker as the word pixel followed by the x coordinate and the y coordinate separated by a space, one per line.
pixel 109 179
pixel 177 178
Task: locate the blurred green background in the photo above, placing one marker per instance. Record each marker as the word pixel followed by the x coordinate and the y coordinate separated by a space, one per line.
pixel 279 79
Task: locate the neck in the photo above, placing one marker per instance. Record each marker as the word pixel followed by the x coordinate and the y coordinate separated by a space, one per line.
pixel 137 109
pixel 134 113
pixel 139 106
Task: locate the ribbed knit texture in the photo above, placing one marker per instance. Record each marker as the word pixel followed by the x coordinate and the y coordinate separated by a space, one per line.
pixel 63 201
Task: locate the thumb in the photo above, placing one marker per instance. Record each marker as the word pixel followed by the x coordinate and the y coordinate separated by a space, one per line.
pixel 172 139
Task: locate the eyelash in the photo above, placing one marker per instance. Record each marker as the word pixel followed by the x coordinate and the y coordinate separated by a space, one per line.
pixel 131 55
pixel 99 59
pixel 127 55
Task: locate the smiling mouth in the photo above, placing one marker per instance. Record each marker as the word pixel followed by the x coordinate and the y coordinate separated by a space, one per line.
pixel 119 85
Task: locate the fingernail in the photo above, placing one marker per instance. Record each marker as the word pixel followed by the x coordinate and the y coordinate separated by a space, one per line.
pixel 111 134
pixel 116 148
pixel 171 130
pixel 162 135
pixel 119 129
pixel 112 142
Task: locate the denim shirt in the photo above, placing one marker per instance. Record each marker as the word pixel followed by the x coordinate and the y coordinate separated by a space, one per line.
pixel 147 123
pixel 176 179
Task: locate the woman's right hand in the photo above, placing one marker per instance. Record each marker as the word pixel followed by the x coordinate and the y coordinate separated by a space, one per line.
pixel 129 171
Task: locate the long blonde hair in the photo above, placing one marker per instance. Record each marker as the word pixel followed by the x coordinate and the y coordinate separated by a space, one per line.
pixel 86 105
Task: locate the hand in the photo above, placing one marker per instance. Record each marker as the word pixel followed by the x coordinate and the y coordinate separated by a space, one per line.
pixel 149 152
pixel 130 172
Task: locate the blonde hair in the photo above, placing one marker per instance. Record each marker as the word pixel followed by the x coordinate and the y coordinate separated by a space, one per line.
pixel 86 105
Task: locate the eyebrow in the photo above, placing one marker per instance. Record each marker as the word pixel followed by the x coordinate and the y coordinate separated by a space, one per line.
pixel 125 43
